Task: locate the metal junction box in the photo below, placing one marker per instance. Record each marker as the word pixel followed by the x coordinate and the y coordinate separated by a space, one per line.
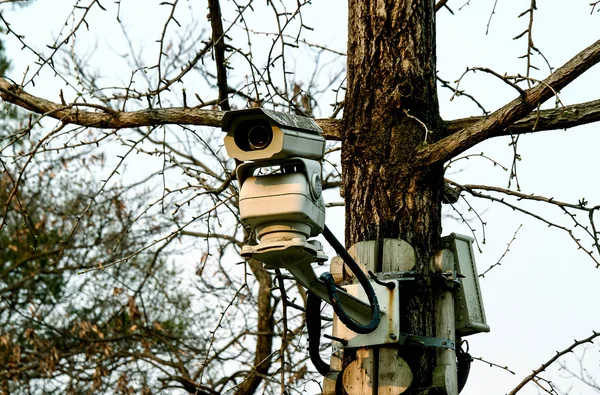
pixel 468 303
pixel 388 330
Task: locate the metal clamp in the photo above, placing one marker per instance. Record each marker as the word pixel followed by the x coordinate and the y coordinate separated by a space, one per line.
pixel 404 276
pixel 426 341
pixel 389 285
pixel 451 278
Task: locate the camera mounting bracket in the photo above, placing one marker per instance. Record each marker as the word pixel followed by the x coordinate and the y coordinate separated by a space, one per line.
pixel 297 260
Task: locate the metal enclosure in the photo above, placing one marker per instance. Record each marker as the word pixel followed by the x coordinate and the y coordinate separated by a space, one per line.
pixel 468 303
pixel 387 332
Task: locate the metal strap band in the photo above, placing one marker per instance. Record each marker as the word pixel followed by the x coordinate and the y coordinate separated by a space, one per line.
pixel 426 341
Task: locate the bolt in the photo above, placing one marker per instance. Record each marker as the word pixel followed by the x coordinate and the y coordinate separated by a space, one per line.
pixel 339 339
pixel 393 336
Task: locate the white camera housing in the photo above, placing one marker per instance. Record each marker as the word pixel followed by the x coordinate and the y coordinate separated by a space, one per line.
pixel 284 207
pixel 256 134
pixel 283 203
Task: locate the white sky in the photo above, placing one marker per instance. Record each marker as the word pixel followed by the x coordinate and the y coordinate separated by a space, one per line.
pixel 545 293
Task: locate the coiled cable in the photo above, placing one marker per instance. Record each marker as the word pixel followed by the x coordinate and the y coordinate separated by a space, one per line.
pixel 327 278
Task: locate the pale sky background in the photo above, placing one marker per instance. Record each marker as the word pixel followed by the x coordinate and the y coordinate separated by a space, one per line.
pixel 545 293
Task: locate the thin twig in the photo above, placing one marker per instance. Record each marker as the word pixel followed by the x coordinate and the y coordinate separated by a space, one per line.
pixel 499 261
pixel 472 189
pixel 469 156
pixel 456 93
pixel 213 332
pixel 546 364
pixel 495 365
pixel 421 122
pixel 487 29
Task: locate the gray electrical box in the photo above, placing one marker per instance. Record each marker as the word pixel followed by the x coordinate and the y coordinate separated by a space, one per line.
pixel 468 303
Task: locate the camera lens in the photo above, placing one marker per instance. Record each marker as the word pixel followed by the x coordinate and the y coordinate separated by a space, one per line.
pixel 259 137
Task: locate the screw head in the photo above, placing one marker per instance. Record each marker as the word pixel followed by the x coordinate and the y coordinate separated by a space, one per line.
pixel 393 336
pixel 316 186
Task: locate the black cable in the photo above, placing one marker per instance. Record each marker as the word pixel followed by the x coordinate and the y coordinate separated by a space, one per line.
pixel 327 278
pixel 313 327
pixel 463 367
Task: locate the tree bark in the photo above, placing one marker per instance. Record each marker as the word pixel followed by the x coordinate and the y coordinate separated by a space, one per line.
pixel 391 111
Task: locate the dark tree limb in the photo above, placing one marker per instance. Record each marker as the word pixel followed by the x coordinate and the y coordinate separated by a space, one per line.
pixel 497 122
pixel 441 4
pixel 192 387
pixel 218 40
pixel 108 118
pixel 537 121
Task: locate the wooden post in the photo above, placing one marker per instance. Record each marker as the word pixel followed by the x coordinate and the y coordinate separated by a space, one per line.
pixel 444 374
pixel 375 370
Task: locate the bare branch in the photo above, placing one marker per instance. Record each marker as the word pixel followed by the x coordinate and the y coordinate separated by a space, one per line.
pixel 264 343
pixel 504 78
pixel 545 365
pixel 456 92
pixel 487 29
pixel 441 4
pixel 161 52
pixel 499 261
pixel 219 47
pixel 561 118
pixel 205 235
pixel 492 365
pixel 581 205
pixel 495 124
pixel 553 119
pixel 107 118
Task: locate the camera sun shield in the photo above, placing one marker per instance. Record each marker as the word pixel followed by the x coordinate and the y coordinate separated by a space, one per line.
pixel 257 134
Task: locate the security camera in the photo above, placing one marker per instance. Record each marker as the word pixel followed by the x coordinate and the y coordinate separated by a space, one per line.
pixel 257 134
pixel 281 201
pixel 280 183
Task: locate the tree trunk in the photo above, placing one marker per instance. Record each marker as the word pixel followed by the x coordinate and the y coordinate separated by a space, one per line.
pixel 391 110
